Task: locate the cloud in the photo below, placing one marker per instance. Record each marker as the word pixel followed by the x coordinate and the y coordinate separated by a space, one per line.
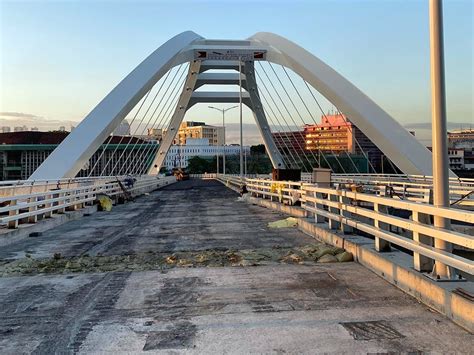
pixel 427 125
pixel 14 119
pixel 18 115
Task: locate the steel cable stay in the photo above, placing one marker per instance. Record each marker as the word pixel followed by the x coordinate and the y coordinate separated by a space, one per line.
pixel 304 103
pixel 146 125
pixel 290 153
pixel 282 131
pixel 151 149
pixel 315 158
pixel 325 116
pixel 171 101
pixel 309 111
pixel 283 117
pixel 111 137
pixel 279 123
pixel 278 78
pixel 122 137
pixel 169 114
pixel 129 141
pixel 309 168
pixel 262 95
pixel 152 115
pixel 286 156
pixel 357 142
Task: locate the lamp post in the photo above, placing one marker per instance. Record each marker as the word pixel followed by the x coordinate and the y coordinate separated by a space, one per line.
pixel 223 110
pixel 241 128
pixel 440 148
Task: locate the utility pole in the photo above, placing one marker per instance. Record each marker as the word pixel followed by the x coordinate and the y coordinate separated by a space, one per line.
pixel 439 132
pixel 223 110
pixel 245 171
pixel 240 106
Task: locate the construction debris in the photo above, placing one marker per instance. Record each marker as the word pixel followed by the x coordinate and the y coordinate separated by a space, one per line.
pixel 105 203
pixel 58 264
pixel 284 223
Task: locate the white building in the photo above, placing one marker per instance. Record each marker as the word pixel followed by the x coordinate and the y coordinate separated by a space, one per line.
pixel 179 155
pixel 6 129
pixel 456 159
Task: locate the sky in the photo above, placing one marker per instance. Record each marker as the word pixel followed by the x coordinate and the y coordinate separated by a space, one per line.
pixel 58 59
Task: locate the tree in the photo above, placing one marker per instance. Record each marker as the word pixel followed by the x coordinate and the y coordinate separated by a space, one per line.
pixel 257 149
pixel 198 165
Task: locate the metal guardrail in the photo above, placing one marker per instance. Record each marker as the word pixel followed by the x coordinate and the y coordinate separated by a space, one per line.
pixel 406 224
pixel 29 200
pixel 408 187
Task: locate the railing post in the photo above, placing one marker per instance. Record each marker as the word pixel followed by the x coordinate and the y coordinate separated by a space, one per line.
pixel 61 202
pixel 14 212
pixel 381 245
pixel 34 218
pixel 332 223
pixel 318 217
pixel 342 202
pixel 72 199
pixel 48 214
pixel 420 262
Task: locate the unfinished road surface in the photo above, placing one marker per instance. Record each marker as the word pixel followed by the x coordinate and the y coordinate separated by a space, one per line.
pixel 189 269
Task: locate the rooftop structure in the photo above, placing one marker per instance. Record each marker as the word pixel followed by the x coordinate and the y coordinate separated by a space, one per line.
pixel 461 138
pixel 22 152
pixel 200 130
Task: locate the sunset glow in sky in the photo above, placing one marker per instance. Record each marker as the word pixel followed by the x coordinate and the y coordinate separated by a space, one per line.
pixel 60 58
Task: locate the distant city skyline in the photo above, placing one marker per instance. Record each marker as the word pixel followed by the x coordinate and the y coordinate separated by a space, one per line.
pixel 251 134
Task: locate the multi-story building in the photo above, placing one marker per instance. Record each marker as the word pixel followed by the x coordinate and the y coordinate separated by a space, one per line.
pixel 179 155
pixel 456 159
pixel 22 152
pixel 336 134
pixel 200 130
pixel 6 129
pixel 290 143
pixel 461 138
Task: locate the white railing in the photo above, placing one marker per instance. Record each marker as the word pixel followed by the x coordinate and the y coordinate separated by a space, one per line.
pixel 204 176
pixel 27 201
pixel 461 190
pixel 406 224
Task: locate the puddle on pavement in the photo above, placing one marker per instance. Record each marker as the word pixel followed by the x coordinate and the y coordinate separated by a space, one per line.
pixel 57 264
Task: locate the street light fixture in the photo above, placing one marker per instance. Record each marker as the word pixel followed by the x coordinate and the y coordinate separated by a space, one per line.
pixel 223 110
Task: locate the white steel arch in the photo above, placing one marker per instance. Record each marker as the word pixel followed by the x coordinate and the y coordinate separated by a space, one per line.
pixel 408 154
pixel 395 142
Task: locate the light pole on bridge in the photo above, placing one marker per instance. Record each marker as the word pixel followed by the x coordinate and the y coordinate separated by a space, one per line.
pixel 439 131
pixel 223 110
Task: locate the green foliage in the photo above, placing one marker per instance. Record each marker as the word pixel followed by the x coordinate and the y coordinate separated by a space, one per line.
pixel 198 165
pixel 257 149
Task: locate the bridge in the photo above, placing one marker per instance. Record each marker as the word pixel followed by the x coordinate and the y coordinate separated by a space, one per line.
pixel 191 266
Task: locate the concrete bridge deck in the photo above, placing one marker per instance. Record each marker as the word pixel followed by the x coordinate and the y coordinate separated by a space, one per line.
pixel 109 283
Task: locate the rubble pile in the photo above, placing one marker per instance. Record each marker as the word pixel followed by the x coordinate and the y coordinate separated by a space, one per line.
pixel 57 264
